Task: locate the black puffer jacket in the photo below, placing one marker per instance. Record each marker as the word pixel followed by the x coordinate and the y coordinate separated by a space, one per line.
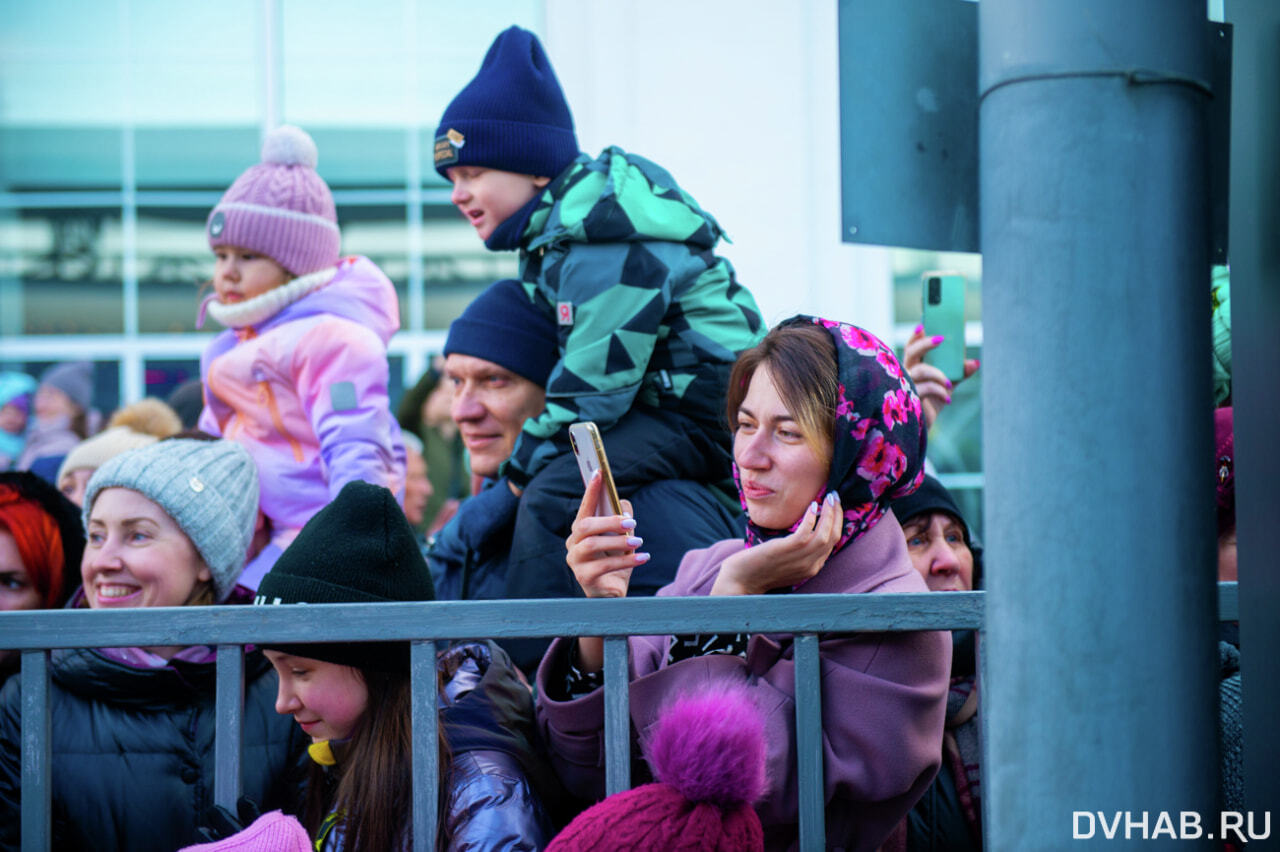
pixel 133 759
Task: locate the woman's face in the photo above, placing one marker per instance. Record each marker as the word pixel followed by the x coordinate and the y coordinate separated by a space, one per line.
pixel 325 699
pixel 136 555
pixel 16 589
pixel 935 542
pixel 779 470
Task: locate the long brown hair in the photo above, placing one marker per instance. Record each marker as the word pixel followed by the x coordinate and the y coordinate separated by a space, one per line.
pixel 802 362
pixel 375 781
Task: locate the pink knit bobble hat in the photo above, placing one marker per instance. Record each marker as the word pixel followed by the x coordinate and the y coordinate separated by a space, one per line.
pixel 271 832
pixel 280 207
pixel 707 751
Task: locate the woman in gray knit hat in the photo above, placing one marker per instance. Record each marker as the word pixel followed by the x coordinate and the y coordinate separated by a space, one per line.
pixel 132 728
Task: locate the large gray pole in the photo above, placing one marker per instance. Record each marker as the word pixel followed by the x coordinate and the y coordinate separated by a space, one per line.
pixel 1099 652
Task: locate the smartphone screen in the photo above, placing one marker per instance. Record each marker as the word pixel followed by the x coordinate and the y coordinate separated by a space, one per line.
pixel 943 311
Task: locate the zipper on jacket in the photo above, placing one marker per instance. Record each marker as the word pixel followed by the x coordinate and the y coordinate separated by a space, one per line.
pixel 268 398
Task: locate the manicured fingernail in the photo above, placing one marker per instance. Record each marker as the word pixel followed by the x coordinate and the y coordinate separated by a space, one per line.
pixel 919 329
pixel 642 558
pixel 813 507
pixel 634 541
pixel 830 498
pixel 949 385
pixel 595 474
pixel 628 523
pixel 976 363
pixel 938 338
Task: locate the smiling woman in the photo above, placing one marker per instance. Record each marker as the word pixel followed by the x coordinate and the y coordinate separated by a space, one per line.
pixel 168 525
pixel 827 430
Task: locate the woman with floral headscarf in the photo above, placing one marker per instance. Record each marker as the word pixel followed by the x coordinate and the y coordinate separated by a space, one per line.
pixel 827 431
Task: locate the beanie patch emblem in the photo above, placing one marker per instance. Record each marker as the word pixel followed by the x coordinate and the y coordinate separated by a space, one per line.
pixel 196 485
pixel 217 223
pixel 564 313
pixel 447 147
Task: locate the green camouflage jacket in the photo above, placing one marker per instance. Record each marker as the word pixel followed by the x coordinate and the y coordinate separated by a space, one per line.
pixel 625 260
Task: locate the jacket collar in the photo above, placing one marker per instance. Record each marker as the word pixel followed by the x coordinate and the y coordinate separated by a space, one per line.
pixel 266 305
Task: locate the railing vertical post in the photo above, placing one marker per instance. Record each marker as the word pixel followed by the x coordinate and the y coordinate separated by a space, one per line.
pixel 37 780
pixel 809 769
pixel 1100 532
pixel 617 716
pixel 426 744
pixel 228 716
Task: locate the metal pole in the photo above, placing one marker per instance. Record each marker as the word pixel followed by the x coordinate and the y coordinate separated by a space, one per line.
pixel 1100 692
pixel 1255 315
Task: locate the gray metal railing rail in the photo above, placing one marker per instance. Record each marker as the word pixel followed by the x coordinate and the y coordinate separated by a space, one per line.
pixel 229 628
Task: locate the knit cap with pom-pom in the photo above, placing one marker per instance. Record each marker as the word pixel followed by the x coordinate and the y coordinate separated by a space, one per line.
pixel 707 751
pixel 137 425
pixel 281 207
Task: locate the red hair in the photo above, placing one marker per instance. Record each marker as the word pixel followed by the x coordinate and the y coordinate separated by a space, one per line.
pixel 39 542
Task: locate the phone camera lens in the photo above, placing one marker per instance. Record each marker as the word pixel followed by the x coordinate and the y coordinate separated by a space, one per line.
pixel 935 291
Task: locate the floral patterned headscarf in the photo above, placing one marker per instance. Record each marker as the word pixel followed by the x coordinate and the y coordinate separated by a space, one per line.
pixel 878 453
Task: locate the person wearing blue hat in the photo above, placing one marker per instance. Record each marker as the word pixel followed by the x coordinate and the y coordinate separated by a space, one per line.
pixel 499 356
pixel 622 263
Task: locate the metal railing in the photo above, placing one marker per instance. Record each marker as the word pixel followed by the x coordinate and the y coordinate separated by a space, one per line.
pixel 423 624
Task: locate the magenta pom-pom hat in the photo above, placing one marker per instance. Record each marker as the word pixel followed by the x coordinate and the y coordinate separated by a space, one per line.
pixel 281 207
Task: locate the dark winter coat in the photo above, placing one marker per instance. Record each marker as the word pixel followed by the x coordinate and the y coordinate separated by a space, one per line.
pixel 133 761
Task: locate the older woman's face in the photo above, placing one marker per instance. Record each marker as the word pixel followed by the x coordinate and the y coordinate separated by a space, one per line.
pixel 16 589
pixel 935 542
pixel 779 470
pixel 136 555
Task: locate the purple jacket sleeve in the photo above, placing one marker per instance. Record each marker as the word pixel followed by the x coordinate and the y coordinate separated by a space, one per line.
pixel 341 373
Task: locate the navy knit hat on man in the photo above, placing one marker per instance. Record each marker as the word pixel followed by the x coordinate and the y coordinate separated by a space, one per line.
pixel 504 326
pixel 512 116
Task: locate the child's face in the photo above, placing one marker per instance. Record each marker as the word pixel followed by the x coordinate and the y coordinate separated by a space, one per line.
pixel 486 197
pixel 240 274
pixel 325 699
pixel 12 419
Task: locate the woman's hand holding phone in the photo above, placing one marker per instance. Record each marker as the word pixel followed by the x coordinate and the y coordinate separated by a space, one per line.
pixel 931 384
pixel 601 562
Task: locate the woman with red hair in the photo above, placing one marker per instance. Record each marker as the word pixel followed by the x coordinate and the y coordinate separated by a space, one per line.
pixel 41 541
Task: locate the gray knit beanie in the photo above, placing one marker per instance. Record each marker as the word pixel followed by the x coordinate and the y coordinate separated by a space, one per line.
pixel 74 378
pixel 209 488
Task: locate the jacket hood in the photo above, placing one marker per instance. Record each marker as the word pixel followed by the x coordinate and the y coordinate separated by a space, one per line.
pixel 619 197
pixel 360 292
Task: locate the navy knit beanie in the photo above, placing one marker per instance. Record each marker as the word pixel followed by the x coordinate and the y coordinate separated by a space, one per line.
pixel 358 549
pixel 504 326
pixel 512 116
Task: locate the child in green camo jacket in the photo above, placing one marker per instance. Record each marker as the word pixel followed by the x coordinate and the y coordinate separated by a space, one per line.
pixel 650 319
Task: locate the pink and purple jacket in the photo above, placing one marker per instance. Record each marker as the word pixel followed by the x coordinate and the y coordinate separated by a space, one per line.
pixel 305 390
pixel 883 699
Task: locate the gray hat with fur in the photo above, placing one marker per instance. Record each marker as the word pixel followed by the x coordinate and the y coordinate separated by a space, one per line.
pixel 209 488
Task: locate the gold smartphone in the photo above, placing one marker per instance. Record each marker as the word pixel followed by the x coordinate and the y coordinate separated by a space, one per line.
pixel 589 450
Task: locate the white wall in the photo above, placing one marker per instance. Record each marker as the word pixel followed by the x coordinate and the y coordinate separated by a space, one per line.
pixel 738 100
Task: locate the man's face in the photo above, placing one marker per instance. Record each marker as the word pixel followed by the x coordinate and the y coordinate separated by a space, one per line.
pixel 490 405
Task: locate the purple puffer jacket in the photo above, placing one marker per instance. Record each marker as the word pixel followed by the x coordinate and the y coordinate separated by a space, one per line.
pixel 883 699
pixel 305 391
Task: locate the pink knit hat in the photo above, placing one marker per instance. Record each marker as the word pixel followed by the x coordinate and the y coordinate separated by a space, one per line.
pixel 707 751
pixel 280 207
pixel 271 832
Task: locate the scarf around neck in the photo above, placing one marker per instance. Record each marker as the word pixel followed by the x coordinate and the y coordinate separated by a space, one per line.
pixel 879 436
pixel 265 305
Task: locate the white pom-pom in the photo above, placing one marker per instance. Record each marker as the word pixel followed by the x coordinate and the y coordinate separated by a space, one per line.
pixel 290 146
